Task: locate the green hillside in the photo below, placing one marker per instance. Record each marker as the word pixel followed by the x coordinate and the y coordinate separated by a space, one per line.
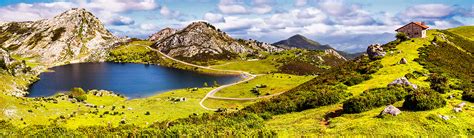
pixel 344 99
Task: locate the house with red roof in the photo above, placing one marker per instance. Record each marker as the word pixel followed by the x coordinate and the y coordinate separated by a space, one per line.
pixel 414 29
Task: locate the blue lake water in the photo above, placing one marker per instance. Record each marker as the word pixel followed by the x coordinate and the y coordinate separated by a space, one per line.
pixel 131 80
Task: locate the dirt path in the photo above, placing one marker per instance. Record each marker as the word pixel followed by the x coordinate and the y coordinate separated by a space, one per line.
pixel 210 95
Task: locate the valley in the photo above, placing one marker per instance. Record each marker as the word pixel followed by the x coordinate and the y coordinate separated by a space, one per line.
pixel 295 87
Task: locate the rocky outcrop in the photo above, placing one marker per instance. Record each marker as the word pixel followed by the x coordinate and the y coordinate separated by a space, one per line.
pixel 162 34
pixel 392 110
pixel 200 41
pixel 375 51
pixel 403 61
pixel 334 53
pixel 73 36
pixel 403 81
pixel 11 66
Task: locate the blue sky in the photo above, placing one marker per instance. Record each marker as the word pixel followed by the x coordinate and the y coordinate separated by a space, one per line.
pixel 345 24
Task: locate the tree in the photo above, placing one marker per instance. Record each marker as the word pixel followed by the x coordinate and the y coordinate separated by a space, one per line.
pixel 401 36
pixel 205 84
pixel 216 84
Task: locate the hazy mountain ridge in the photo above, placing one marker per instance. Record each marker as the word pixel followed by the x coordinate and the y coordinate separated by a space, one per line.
pixel 300 41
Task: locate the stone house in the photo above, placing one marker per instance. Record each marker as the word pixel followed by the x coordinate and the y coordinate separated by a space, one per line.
pixel 414 29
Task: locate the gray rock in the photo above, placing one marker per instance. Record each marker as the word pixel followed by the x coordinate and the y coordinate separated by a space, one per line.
pixel 403 81
pixel 392 110
pixel 375 51
pixel 444 117
pixel 162 34
pixel 461 105
pixel 403 61
pixel 457 109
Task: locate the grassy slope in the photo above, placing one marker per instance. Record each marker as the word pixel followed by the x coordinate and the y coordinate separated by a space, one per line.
pixel 312 122
pixel 465 31
pixel 392 70
pixel 159 106
pixel 276 83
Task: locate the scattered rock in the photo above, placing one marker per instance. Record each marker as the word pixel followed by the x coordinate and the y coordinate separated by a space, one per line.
pixel 130 108
pixel 444 117
pixel 457 109
pixel 403 61
pixel 375 51
pixel 450 97
pixel 392 110
pixel 403 81
pixel 461 105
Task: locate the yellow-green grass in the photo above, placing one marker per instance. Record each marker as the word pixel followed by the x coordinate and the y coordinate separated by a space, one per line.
pixel 464 31
pixel 276 83
pixel 227 104
pixel 255 67
pixel 159 106
pixel 392 70
pixel 408 123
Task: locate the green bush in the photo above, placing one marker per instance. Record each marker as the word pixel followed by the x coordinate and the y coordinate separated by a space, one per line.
pixel 78 93
pixel 401 36
pixel 468 95
pixel 439 83
pixel 424 99
pixel 374 98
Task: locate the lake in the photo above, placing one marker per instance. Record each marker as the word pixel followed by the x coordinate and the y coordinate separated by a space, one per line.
pixel 131 80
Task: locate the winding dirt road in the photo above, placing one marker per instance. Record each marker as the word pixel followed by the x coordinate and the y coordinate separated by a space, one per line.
pixel 248 76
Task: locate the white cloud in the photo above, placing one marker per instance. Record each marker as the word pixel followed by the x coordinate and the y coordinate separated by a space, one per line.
pixel 148 27
pixel 239 7
pixel 121 20
pixel 107 10
pixel 262 9
pixel 213 18
pixel 429 11
pixel 301 2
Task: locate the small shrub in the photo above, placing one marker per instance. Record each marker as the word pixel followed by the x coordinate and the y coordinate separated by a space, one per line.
pixel 468 95
pixel 401 36
pixel 439 83
pixel 147 113
pixel 374 98
pixel 424 99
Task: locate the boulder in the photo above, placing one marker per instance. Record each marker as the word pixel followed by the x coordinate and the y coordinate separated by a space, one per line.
pixel 457 109
pixel 375 51
pixel 392 110
pixel 402 81
pixel 403 61
pixel 461 105
pixel 444 117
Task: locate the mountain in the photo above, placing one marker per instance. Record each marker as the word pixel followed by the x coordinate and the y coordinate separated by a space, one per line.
pixel 162 34
pixel 201 41
pixel 299 41
pixel 73 36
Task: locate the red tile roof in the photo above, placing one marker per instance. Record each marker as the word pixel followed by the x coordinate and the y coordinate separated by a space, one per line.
pixel 421 24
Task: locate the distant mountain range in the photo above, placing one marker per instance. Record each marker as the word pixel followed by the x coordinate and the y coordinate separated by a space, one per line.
pixel 300 41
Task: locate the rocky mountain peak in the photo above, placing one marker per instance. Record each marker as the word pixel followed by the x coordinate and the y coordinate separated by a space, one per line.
pixel 162 34
pixel 202 41
pixel 70 37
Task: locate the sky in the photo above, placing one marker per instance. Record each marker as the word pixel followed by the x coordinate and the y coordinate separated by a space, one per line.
pixel 348 25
